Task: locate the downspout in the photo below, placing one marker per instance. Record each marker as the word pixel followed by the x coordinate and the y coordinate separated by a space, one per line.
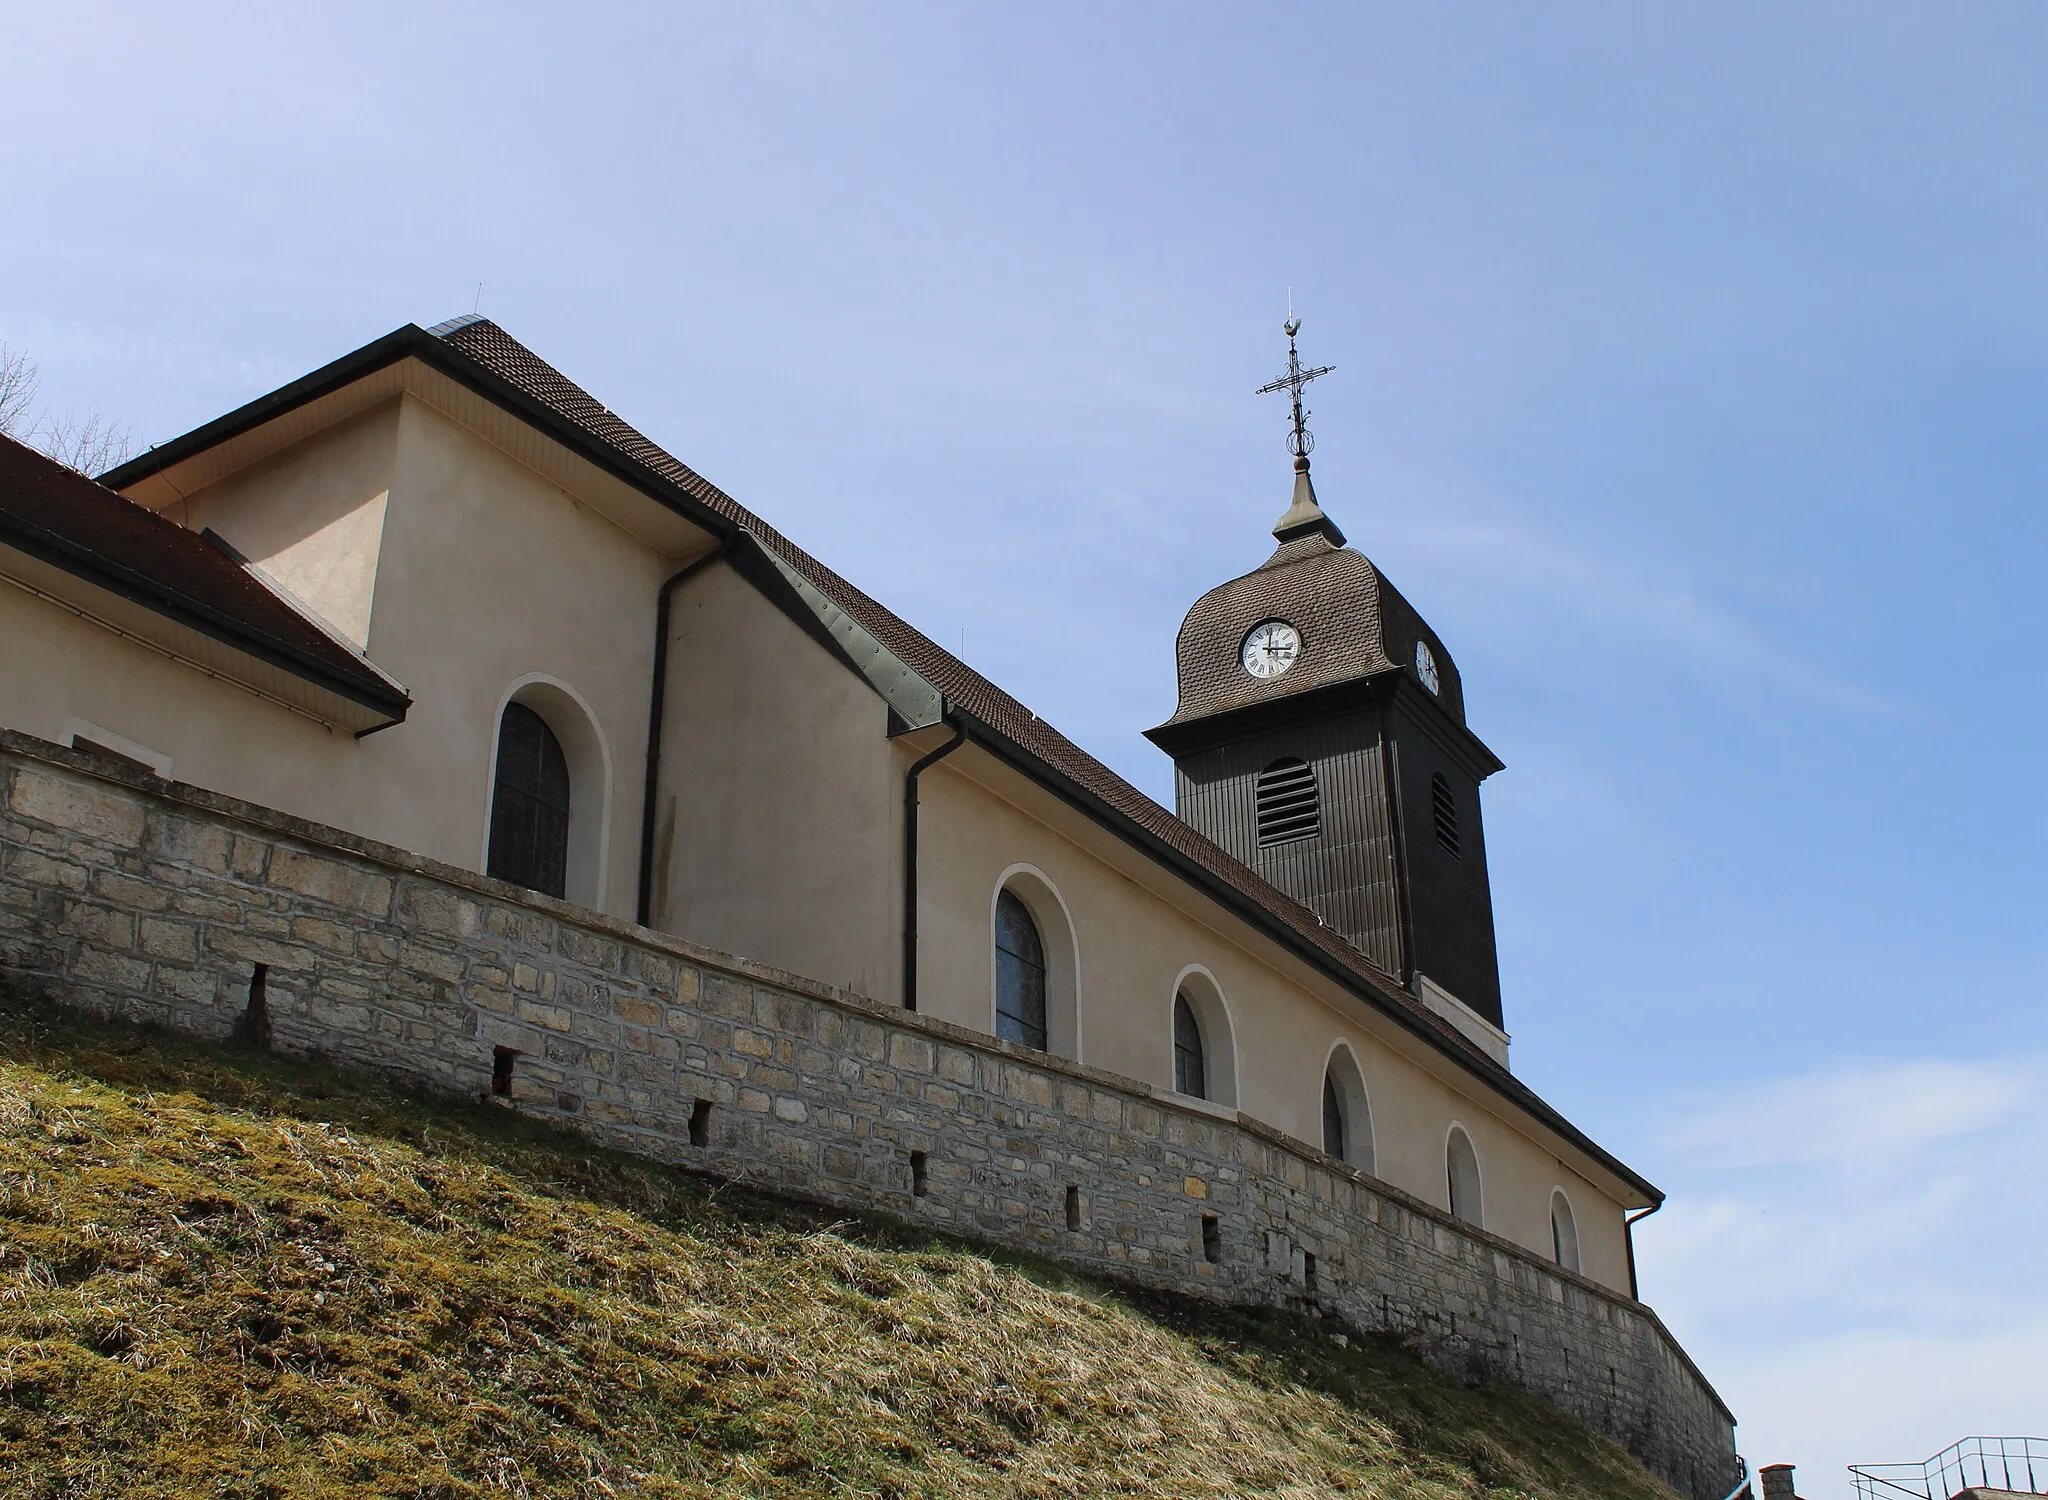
pixel 1628 1234
pixel 917 769
pixel 642 909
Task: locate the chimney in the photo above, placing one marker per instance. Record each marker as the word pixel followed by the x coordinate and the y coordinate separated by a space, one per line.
pixel 1777 1482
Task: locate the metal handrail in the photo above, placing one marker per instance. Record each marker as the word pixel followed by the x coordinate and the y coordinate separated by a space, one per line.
pixel 1742 1484
pixel 1998 1463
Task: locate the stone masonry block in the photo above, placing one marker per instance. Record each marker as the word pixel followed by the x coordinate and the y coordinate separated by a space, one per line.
pixel 189 840
pixel 85 807
pixel 228 942
pixel 112 971
pixel 126 890
pixel 331 881
pixel 178 941
pixel 31 868
pixel 910 1053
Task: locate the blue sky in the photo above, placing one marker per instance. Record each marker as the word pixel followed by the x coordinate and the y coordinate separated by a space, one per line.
pixel 1690 364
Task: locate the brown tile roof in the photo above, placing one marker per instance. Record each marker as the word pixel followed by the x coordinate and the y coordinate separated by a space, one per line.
pixel 504 355
pixel 491 361
pixel 65 519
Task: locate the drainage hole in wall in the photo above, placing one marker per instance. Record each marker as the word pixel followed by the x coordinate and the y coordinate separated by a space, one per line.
pixel 1308 1273
pixel 253 1030
pixel 700 1123
pixel 502 1059
pixel 1212 1239
pixel 920 1182
pixel 1073 1207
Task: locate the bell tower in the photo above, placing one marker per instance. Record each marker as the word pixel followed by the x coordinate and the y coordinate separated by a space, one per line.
pixel 1320 738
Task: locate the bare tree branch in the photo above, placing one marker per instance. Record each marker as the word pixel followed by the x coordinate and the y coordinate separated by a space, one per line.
pixel 91 445
pixel 18 385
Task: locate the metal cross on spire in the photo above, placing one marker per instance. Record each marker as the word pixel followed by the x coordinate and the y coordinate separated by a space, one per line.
pixel 1299 442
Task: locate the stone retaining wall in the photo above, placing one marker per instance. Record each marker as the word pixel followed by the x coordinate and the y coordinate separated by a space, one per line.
pixel 132 896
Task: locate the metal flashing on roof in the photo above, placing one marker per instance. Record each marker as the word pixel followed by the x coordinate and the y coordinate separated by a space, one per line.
pixel 914 703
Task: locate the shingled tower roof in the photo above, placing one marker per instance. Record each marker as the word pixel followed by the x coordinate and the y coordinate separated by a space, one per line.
pixel 1353 623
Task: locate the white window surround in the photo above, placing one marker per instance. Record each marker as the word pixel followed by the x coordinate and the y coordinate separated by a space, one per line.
pixel 1564 1229
pixel 1341 1067
pixel 1055 922
pixel 1219 1033
pixel 72 730
pixel 1488 1037
pixel 1463 1179
pixel 589 754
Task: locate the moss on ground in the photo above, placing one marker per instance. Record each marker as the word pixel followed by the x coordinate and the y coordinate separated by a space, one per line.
pixel 235 1275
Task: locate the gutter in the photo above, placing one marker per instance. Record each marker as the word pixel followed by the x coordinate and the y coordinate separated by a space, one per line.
pixel 657 695
pixel 1628 1235
pixel 917 769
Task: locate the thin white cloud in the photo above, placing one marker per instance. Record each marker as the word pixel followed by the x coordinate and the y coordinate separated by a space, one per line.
pixel 1852 1254
pixel 1852 1114
pixel 1639 612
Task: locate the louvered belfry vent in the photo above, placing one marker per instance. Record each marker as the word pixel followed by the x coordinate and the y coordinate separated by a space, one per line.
pixel 1445 806
pixel 1289 807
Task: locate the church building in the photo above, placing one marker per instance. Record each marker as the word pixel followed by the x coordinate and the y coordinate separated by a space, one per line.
pixel 437 596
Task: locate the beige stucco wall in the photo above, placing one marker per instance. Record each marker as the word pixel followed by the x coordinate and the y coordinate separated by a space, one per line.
pixel 473 579
pixel 778 812
pixel 59 673
pixel 312 517
pixel 1131 946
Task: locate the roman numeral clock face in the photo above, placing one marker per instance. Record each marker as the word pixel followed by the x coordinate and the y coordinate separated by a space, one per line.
pixel 1270 649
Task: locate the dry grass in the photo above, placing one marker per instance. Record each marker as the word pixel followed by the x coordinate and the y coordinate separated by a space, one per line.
pixel 226 1275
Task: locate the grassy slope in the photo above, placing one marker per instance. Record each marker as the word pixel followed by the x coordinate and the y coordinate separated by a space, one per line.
pixel 234 1275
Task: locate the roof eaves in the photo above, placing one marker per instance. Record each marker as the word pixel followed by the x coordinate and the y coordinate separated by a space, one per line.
pixel 436 352
pixel 379 693
pixel 1393 1003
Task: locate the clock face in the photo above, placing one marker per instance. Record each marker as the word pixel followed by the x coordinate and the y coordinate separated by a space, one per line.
pixel 1270 648
pixel 1425 666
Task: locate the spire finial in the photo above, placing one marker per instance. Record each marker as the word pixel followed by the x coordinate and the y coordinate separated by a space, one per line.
pixel 1304 515
pixel 1300 442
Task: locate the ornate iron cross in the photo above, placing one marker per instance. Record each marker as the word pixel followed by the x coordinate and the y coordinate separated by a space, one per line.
pixel 1299 442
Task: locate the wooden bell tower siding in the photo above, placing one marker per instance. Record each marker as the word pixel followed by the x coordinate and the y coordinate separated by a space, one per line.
pixel 1397 861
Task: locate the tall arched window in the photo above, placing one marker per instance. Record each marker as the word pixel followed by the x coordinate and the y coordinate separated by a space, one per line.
pixel 1564 1231
pixel 1461 1167
pixel 1190 1061
pixel 1347 1112
pixel 1020 974
pixel 529 805
pixel 1288 805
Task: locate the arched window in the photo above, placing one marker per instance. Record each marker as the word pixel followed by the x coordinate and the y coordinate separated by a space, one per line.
pixel 1461 1168
pixel 1444 805
pixel 1020 974
pixel 1333 1119
pixel 529 805
pixel 1347 1113
pixel 1190 1063
pixel 1289 807
pixel 1564 1231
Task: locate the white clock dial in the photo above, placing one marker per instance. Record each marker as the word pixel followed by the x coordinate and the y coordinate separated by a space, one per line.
pixel 1270 648
pixel 1425 666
